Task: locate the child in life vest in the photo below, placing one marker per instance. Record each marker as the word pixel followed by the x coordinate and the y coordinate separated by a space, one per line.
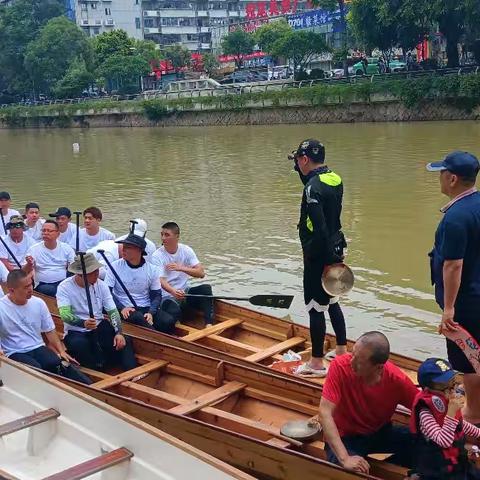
pixel 437 424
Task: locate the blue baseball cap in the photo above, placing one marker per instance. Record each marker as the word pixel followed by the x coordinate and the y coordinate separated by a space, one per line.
pixel 435 370
pixel 463 164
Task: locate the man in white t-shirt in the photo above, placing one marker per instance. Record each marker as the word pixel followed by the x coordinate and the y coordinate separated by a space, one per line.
pixel 6 211
pixel 23 320
pixel 95 342
pixel 142 281
pixel 92 233
pixel 49 259
pixel 113 250
pixel 34 221
pixel 68 230
pixel 17 242
pixel 179 263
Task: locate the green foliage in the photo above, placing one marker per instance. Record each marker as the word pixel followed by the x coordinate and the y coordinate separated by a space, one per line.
pixel 238 43
pixel 210 63
pixel 300 46
pixel 19 25
pixel 178 55
pixel 124 71
pixel 49 56
pixel 75 81
pixel 155 110
pixel 269 33
pixel 108 44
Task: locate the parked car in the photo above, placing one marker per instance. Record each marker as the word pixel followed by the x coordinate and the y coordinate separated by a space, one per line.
pixel 372 67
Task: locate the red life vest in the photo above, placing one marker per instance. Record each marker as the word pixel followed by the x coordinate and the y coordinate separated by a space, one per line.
pixel 430 456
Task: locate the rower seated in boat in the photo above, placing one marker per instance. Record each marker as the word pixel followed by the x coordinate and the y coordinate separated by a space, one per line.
pixel 92 233
pixel 141 279
pixel 17 241
pixel 23 320
pixel 68 230
pixel 33 221
pixel 179 263
pixel 95 342
pixel 5 211
pixel 49 259
pixel 360 395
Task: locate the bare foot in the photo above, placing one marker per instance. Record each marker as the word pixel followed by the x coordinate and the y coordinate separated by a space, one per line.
pixel 340 350
pixel 316 363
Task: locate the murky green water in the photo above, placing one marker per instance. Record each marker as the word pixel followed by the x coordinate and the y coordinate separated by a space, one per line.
pixel 236 198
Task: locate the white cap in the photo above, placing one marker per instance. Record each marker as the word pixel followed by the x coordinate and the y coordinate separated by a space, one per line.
pixel 141 227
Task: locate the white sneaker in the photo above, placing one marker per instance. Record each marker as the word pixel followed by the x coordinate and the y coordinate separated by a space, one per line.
pixel 330 355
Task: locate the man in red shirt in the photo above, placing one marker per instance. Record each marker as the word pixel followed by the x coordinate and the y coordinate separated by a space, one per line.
pixel 359 398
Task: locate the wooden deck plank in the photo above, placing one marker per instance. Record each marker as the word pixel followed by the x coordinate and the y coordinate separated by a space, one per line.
pixel 274 349
pixel 29 421
pixel 130 374
pixel 95 465
pixel 209 398
pixel 214 329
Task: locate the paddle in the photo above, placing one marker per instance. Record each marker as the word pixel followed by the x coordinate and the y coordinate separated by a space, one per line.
pixel 119 280
pixel 10 252
pixel 132 226
pixel 93 333
pixel 77 239
pixel 3 221
pixel 274 301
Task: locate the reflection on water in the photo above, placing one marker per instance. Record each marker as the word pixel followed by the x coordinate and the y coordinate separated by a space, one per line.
pixel 236 198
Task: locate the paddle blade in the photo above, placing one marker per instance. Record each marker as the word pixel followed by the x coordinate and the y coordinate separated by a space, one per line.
pixel 274 301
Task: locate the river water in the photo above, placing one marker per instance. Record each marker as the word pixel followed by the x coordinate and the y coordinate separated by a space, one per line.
pixel 236 199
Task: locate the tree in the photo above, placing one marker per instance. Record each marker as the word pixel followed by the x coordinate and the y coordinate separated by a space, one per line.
pixel 20 23
pixel 269 33
pixel 147 50
pixel 48 57
pixel 116 42
pixel 179 56
pixel 122 72
pixel 300 46
pixel 76 80
pixel 238 43
pixel 210 63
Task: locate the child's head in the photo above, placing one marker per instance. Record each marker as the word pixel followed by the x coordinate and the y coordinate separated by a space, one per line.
pixel 437 374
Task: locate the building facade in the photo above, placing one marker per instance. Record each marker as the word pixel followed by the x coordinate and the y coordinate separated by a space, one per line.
pixel 189 23
pixel 99 16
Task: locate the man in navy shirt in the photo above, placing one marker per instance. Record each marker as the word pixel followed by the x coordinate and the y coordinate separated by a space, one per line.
pixel 455 264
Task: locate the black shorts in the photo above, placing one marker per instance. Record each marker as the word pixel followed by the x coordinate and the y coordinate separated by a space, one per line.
pixel 312 284
pixel 470 321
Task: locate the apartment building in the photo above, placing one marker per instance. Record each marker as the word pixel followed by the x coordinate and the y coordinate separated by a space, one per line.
pixel 190 23
pixel 98 16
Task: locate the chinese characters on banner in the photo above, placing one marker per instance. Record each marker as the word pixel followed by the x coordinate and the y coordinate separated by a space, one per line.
pixel 255 10
pixel 315 18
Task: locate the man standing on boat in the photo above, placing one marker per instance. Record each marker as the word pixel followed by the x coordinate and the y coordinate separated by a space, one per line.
pixel 178 263
pixel 455 264
pixel 23 320
pixel 322 244
pixel 17 241
pixel 68 230
pixel 49 259
pixel 34 221
pixel 359 398
pixel 141 280
pixel 94 342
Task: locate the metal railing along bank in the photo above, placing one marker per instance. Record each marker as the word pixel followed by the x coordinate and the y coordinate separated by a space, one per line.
pixel 236 89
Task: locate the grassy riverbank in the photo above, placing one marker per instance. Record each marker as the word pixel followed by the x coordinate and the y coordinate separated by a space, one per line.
pixel 461 92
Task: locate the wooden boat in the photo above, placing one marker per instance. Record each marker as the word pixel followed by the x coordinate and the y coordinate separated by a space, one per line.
pixel 231 411
pixel 50 431
pixel 245 335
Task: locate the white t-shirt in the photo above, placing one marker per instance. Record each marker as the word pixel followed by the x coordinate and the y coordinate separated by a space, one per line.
pixel 3 276
pixel 183 256
pixel 69 293
pixel 89 241
pixel 35 232
pixel 69 236
pixel 21 326
pixel 51 265
pixel 139 282
pixel 18 249
pixel 111 252
pixel 6 218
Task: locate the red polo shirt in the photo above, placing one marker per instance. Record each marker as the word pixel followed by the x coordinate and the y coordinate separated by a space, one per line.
pixel 362 409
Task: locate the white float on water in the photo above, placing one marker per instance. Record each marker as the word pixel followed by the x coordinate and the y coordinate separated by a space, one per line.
pixel 76 147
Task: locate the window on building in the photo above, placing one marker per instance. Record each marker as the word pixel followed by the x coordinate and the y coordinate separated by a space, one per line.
pixel 138 24
pixel 93 6
pixel 137 2
pixel 84 7
pixel 148 23
pixel 96 31
pixel 108 11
